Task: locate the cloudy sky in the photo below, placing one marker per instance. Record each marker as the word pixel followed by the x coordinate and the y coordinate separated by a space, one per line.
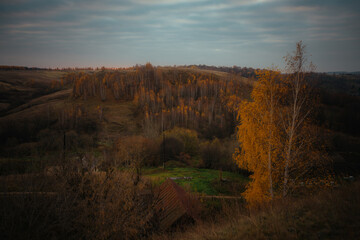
pixel 113 33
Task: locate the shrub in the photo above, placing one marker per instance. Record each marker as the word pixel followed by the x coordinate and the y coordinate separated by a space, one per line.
pixel 188 137
pixel 171 148
pixel 102 205
pixel 218 155
pixel 212 153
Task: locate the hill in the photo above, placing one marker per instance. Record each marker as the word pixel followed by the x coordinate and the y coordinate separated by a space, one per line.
pixel 145 100
pixel 94 108
pixel 18 87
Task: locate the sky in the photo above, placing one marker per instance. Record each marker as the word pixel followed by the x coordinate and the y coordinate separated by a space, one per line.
pixel 120 33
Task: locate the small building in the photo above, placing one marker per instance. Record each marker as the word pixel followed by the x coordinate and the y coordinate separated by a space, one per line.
pixel 175 205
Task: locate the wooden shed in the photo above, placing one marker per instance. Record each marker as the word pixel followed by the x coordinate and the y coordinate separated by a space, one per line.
pixel 175 205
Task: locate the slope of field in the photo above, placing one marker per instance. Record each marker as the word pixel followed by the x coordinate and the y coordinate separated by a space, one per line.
pixel 20 86
pixel 36 105
pixel 115 117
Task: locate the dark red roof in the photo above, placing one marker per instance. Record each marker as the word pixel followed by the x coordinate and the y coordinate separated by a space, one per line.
pixel 174 202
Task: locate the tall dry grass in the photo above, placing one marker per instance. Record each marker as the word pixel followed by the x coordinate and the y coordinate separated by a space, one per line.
pixel 331 214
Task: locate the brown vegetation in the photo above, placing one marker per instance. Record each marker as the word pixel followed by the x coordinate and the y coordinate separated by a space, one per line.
pixel 84 205
pixel 331 214
pixel 169 97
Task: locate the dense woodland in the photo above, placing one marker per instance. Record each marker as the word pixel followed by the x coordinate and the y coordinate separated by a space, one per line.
pixel 169 97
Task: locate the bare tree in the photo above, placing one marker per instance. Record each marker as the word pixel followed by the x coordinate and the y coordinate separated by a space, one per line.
pixel 298 107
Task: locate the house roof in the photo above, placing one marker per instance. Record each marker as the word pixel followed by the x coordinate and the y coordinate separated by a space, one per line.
pixel 173 203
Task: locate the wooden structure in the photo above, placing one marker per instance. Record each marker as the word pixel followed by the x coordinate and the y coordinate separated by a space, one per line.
pixel 175 205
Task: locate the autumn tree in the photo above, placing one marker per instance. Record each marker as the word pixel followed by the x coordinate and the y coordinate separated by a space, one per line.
pixel 132 152
pixel 169 97
pixel 278 142
pixel 259 137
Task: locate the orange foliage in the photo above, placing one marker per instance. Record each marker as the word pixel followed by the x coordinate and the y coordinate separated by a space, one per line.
pixel 278 143
pixel 259 138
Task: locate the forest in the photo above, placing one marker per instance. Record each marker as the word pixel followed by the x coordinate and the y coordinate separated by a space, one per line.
pixel 242 153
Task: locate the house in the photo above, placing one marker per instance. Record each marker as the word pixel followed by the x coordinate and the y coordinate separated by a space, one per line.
pixel 175 205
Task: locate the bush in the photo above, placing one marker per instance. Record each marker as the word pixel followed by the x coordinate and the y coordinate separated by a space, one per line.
pixel 172 148
pixel 134 152
pixel 188 137
pixel 50 140
pixel 84 206
pixel 218 155
pixel 211 153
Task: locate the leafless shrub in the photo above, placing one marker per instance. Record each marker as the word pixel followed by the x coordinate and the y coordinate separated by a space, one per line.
pixel 81 205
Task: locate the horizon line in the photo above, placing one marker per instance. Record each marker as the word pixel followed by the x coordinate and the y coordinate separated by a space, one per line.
pixel 13 67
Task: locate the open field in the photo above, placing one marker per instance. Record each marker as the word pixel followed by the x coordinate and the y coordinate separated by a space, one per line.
pixel 206 181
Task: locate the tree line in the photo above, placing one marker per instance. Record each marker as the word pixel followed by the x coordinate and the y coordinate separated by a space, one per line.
pixel 169 97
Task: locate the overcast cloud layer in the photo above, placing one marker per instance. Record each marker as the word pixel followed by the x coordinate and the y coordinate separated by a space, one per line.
pixel 252 33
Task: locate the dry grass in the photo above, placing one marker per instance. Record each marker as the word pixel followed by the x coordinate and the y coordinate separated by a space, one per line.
pixel 83 206
pixel 39 104
pixel 20 87
pixel 118 116
pixel 329 215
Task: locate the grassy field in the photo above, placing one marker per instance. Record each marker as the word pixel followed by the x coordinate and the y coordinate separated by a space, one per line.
pixel 206 181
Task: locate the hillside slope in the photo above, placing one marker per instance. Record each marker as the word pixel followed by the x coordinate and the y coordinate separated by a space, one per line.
pixel 18 87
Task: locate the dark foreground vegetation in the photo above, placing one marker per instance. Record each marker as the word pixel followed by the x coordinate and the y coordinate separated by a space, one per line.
pixel 96 207
pixel 326 215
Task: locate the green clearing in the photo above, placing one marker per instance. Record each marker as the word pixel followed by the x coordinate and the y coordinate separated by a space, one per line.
pixel 205 181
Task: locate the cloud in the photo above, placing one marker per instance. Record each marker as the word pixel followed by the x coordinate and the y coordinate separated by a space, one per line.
pixel 166 2
pixel 298 9
pixel 186 28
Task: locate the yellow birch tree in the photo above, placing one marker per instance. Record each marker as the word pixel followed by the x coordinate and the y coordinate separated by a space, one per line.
pixel 259 137
pixel 278 142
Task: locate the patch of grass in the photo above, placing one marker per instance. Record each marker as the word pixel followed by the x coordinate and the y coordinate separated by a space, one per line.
pixel 202 180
